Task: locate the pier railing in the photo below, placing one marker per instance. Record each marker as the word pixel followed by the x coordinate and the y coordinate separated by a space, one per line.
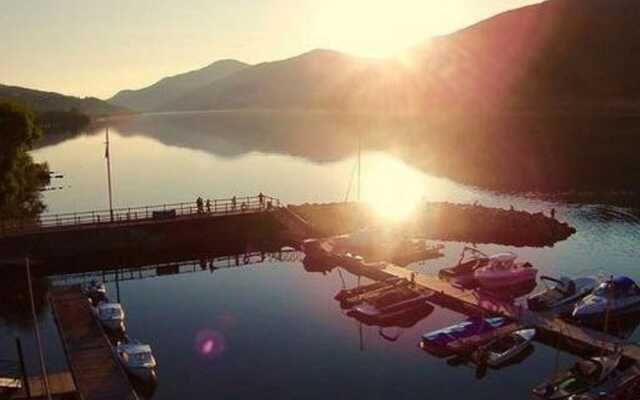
pixel 158 212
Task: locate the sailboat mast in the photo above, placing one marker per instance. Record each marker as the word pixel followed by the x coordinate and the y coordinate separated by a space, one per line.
pixel 359 162
pixel 108 157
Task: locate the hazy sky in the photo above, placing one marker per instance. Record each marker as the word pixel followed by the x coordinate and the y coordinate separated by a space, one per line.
pixel 95 48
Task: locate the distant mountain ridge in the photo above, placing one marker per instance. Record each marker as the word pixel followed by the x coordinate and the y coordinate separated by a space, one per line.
pixel 41 101
pixel 556 56
pixel 171 88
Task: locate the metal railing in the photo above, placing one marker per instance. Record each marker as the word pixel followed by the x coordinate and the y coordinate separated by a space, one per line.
pixel 159 212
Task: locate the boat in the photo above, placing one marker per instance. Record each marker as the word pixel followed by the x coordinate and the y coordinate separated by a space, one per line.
pixel 504 349
pixel 622 384
pixel 137 359
pixel 462 273
pixel 562 292
pixel 614 298
pixel 371 291
pixel 503 272
pixel 582 377
pixel 346 293
pixel 111 316
pixel 391 304
pixel 436 342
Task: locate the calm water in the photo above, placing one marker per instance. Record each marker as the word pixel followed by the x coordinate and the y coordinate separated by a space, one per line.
pixel 271 329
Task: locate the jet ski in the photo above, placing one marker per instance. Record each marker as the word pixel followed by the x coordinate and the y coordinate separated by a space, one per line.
pixel 614 298
pixel 563 291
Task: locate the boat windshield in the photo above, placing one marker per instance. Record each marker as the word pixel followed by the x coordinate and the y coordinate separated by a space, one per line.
pixel 111 312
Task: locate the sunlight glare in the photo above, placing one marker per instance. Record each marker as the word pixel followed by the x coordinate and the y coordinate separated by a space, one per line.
pixel 392 188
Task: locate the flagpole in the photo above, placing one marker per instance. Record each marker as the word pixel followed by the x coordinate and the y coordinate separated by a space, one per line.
pixel 107 155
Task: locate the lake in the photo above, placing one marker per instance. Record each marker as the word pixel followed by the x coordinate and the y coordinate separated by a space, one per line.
pixel 270 329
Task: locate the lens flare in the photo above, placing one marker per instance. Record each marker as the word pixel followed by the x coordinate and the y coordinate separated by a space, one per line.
pixel 209 343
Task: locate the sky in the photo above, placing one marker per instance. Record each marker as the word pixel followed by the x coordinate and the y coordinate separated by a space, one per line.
pixel 96 48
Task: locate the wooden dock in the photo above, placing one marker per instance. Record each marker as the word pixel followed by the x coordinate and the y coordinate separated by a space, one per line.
pixel 60 386
pixel 551 328
pixel 97 373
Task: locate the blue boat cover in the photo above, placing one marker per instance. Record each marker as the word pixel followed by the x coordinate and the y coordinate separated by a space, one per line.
pixel 623 283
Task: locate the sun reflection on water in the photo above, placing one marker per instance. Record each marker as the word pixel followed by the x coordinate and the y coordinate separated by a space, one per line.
pixel 390 187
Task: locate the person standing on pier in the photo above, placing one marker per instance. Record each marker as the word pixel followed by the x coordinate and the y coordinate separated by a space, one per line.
pixel 208 205
pixel 553 213
pixel 261 199
pixel 233 203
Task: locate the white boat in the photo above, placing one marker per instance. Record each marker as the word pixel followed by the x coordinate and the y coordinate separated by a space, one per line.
pixel 138 360
pixel 504 349
pixel 563 292
pixel 111 316
pixel 614 298
pixel 503 272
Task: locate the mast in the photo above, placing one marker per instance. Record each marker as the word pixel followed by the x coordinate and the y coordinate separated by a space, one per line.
pixel 107 155
pixel 36 328
pixel 359 162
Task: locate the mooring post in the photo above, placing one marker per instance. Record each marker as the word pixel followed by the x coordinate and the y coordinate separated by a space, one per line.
pixel 23 368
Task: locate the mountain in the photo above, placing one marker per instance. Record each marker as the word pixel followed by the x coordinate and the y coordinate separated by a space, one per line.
pixel 319 79
pixel 168 89
pixel 559 55
pixel 42 102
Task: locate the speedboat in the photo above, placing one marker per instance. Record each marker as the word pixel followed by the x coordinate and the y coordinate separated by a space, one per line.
pixel 623 383
pixel 111 316
pixel 462 273
pixel 370 292
pixel 562 292
pixel 503 272
pixel 614 298
pixel 138 360
pixel 504 349
pixel 391 304
pixel 583 376
pixel 436 342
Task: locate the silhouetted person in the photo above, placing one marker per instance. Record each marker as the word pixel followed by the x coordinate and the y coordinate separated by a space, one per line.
pixel 233 203
pixel 208 206
pixel 553 213
pixel 199 204
pixel 261 199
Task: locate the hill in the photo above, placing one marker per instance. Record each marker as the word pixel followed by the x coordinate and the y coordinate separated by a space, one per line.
pixel 42 102
pixel 557 56
pixel 171 88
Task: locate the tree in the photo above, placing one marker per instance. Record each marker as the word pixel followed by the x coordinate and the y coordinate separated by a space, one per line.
pixel 20 177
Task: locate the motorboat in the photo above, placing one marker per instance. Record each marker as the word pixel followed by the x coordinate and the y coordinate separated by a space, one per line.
pixel 623 383
pixel 503 349
pixel 111 316
pixel 614 298
pixel 138 360
pixel 391 304
pixel 462 273
pixel 503 272
pixel 371 291
pixel 561 292
pixel 436 342
pixel 346 293
pixel 583 376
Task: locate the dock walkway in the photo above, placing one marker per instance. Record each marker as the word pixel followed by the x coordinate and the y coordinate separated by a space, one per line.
pixel 553 329
pixel 97 374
